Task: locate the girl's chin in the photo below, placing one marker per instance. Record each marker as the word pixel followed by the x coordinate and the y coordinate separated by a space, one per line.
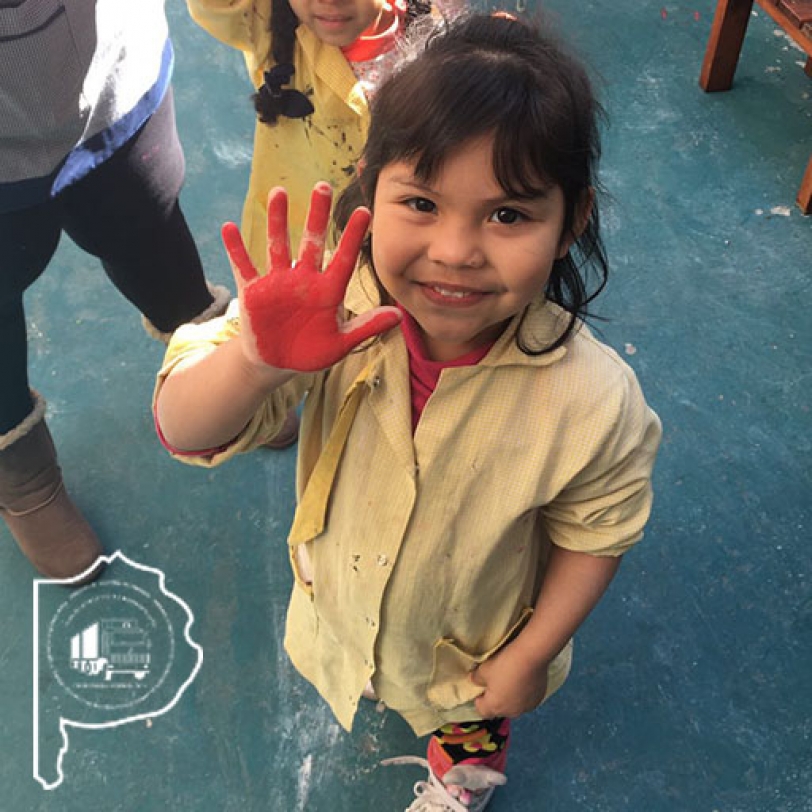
pixel 447 346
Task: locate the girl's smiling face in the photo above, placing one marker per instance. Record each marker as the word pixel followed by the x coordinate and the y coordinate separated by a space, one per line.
pixel 341 22
pixel 459 253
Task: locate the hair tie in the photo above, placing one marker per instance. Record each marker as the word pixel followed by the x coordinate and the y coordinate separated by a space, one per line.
pixel 288 102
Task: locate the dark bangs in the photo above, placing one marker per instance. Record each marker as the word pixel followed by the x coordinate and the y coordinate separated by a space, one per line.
pixel 464 88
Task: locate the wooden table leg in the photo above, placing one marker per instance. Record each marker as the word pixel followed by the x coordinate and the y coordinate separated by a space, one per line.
pixel 725 44
pixel 805 193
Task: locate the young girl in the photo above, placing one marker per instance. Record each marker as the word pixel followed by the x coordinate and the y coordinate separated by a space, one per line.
pixel 314 65
pixel 468 481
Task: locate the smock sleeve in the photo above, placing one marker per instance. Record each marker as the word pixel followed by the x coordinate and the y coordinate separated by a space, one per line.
pixel 242 24
pixel 192 341
pixel 603 509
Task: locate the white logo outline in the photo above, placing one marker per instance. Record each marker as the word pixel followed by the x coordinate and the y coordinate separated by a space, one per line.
pixel 66 723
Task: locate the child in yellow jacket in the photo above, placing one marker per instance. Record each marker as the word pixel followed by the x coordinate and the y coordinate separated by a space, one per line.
pixel 314 66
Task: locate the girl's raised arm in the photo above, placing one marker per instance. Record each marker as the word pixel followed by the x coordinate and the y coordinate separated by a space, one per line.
pixel 291 320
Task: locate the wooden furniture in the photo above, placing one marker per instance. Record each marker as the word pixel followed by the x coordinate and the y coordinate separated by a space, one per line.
pixel 725 43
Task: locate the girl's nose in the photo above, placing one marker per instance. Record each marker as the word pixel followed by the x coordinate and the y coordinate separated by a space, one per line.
pixel 456 245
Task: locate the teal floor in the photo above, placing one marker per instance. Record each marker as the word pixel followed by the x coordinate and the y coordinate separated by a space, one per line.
pixel 691 684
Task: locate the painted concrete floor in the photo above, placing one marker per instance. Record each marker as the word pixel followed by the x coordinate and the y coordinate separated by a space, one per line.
pixel 690 689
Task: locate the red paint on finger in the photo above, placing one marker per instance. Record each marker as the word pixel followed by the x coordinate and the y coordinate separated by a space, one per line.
pixel 311 248
pixel 357 226
pixel 370 327
pixel 318 215
pixel 346 254
pixel 235 248
pixel 278 240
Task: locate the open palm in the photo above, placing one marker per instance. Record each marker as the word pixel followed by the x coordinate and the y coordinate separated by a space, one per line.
pixel 292 317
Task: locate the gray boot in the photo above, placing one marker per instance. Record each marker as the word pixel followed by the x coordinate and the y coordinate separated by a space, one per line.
pixel 46 525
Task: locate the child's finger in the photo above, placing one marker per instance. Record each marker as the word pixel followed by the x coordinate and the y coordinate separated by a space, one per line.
pixel 346 255
pixel 367 325
pixel 278 238
pixel 311 247
pixel 241 265
pixel 483 707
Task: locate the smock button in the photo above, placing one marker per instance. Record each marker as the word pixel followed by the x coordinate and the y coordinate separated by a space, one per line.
pixel 376 381
pixel 382 560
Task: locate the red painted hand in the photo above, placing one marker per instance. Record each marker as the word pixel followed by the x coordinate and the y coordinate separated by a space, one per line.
pixel 292 318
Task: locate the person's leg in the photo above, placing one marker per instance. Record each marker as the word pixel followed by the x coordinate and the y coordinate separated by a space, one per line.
pixel 28 240
pixel 483 743
pixel 470 758
pixel 465 763
pixel 33 502
pixel 126 212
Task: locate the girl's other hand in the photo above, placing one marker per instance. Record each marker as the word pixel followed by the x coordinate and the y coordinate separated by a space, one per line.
pixel 292 318
pixel 513 684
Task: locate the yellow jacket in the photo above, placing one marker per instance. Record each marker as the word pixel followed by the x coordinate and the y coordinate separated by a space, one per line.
pixel 294 153
pixel 428 550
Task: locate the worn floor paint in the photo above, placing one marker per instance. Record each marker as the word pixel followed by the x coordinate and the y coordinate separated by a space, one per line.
pixel 690 689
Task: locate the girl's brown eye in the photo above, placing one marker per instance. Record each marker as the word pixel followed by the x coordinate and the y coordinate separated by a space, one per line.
pixel 506 216
pixel 421 204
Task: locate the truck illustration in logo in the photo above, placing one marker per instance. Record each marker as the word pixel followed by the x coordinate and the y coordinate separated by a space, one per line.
pixel 111 647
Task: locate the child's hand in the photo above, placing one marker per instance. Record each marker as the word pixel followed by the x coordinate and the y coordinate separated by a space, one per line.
pixel 513 684
pixel 292 318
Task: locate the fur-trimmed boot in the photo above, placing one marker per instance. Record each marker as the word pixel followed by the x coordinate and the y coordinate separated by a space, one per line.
pixel 46 525
pixel 222 297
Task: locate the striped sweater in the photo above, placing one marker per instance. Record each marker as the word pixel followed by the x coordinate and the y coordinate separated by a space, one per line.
pixel 79 78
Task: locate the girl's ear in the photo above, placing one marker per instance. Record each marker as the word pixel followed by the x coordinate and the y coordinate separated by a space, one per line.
pixel 583 211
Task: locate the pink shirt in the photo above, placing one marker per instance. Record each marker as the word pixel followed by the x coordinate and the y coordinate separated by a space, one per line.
pixel 423 372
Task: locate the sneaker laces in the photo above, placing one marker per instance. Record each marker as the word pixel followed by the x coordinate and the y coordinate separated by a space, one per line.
pixel 434 796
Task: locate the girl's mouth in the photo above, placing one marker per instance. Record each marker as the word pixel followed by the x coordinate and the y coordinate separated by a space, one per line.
pixel 451 295
pixel 333 22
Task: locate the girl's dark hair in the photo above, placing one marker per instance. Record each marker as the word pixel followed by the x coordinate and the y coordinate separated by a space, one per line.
pixel 485 74
pixel 268 102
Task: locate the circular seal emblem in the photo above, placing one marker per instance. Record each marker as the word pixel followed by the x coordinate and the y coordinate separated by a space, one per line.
pixel 110 645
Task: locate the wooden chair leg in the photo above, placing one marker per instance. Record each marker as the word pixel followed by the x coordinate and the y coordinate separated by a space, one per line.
pixel 725 44
pixel 805 192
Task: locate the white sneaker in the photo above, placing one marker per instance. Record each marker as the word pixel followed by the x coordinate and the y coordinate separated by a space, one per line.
pixel 465 787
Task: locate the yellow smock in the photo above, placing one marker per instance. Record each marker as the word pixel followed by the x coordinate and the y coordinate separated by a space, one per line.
pixel 428 550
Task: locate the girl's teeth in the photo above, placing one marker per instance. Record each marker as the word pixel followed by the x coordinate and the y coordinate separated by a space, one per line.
pixel 455 294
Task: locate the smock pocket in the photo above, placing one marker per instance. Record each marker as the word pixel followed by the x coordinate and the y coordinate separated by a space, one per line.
pixel 451 684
